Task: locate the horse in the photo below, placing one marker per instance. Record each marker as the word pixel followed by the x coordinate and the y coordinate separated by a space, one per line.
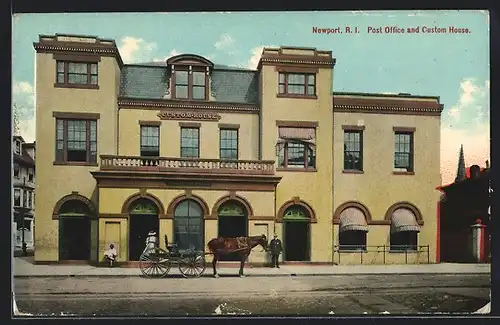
pixel 242 246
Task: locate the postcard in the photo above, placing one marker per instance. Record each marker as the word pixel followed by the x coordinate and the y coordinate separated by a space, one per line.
pixel 251 163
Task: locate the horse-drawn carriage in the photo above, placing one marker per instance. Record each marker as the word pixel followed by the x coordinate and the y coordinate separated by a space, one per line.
pixel 157 262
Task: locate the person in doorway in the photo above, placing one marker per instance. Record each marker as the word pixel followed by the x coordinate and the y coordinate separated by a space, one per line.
pixel 275 248
pixel 110 254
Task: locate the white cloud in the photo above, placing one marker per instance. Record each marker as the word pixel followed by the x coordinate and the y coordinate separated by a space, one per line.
pixel 253 62
pixel 224 41
pixel 27 129
pixel 134 50
pixel 468 124
pixel 172 53
pixel 22 87
pixel 24 98
pixel 471 98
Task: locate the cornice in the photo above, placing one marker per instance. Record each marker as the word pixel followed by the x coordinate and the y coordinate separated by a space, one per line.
pixel 125 103
pixel 300 63
pixel 389 110
pixel 75 47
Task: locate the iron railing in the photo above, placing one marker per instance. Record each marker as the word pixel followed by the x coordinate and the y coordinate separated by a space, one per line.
pixel 364 250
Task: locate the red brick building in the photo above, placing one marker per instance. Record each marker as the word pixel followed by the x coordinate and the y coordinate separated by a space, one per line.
pixel 462 204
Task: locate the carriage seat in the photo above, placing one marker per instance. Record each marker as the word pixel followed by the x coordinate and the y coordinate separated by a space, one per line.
pixel 170 247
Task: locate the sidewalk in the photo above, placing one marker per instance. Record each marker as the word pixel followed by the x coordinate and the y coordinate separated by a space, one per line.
pixel 23 268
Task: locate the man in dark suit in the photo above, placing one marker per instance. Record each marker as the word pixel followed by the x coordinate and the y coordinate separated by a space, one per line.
pixel 275 248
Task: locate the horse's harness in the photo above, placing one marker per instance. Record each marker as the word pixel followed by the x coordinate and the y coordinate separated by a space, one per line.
pixel 241 242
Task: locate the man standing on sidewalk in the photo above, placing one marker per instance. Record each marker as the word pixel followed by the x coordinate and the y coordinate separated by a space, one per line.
pixel 275 249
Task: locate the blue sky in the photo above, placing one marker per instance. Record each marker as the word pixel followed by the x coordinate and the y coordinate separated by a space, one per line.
pixel 452 66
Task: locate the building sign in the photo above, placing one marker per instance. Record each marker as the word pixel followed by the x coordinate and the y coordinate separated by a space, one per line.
pixel 192 116
pixel 187 184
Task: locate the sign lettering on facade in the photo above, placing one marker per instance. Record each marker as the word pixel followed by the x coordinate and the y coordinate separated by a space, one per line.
pixel 192 116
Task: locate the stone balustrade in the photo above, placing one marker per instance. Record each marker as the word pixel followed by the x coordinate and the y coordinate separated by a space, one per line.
pixel 188 165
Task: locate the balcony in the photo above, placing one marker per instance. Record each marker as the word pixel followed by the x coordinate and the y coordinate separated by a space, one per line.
pixel 186 165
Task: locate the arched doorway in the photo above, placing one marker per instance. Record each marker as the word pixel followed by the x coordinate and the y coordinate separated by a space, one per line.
pixel 296 234
pixel 143 218
pixel 74 231
pixel 189 225
pixel 232 222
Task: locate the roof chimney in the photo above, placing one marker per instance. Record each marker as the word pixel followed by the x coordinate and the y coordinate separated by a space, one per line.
pixel 475 172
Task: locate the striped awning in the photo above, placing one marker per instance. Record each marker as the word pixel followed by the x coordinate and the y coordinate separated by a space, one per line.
pixel 404 220
pixel 352 219
pixel 305 134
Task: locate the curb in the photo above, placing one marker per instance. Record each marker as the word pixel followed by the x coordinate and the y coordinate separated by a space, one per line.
pixel 247 275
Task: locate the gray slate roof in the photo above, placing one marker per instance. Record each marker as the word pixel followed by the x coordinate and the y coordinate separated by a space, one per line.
pixel 228 84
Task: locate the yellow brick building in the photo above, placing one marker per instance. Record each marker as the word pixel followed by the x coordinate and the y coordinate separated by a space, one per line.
pixel 196 150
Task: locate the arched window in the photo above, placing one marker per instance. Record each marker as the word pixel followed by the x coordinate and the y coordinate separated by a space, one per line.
pixel 352 229
pixel 188 225
pixel 404 230
pixel 143 206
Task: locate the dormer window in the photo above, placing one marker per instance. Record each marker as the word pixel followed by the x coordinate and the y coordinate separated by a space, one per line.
pixel 189 76
pixel 190 84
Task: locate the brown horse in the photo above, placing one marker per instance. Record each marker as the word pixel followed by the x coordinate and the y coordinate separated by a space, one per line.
pixel 241 246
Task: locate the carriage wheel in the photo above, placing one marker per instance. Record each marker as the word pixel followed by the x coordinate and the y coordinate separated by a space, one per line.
pixel 155 263
pixel 192 266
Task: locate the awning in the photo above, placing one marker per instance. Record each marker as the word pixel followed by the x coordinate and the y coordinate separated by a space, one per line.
pixel 305 134
pixel 404 220
pixel 352 219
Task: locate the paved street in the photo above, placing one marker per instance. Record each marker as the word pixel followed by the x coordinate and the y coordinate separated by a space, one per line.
pixel 291 295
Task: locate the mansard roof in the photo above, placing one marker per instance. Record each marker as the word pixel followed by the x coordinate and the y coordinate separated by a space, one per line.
pixel 227 84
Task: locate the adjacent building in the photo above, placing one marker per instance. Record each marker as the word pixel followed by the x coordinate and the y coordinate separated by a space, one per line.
pixel 23 192
pixel 464 206
pixel 195 150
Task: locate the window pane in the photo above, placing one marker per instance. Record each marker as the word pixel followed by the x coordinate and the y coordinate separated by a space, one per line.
pixel 189 143
pixel 281 154
pixel 150 140
pixel 181 78
pixel 281 79
pixel 77 135
pixel 228 144
pixel 281 89
pixel 311 79
pixel 77 67
pixel 93 130
pixel 93 80
pixel 60 78
pixel 311 162
pixel 296 79
pixel 198 92
pixel 60 129
pixel 311 90
pixel 181 91
pixel 296 156
pixel 93 68
pixel 198 78
pixel 182 210
pixel 77 78
pixel 296 89
pixel 60 66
